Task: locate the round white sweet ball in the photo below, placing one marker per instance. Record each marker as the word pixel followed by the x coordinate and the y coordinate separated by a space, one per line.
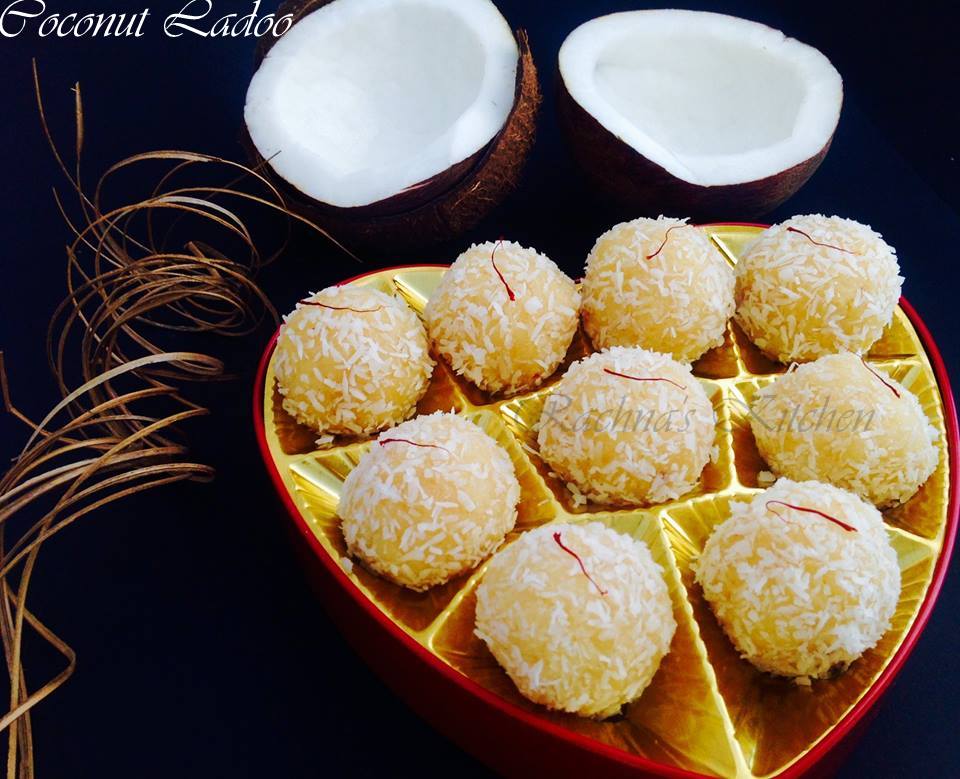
pixel 626 426
pixel 579 616
pixel 503 316
pixel 430 499
pixel 842 420
pixel 351 360
pixel 803 578
pixel 816 285
pixel 660 284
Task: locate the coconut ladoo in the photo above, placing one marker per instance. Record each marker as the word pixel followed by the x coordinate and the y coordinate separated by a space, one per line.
pixel 577 615
pixel 429 500
pixel 816 285
pixel 845 421
pixel 695 113
pixel 660 284
pixel 503 316
pixel 394 123
pixel 803 579
pixel 627 426
pixel 351 360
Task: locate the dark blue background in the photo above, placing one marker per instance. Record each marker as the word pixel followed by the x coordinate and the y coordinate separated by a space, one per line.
pixel 201 650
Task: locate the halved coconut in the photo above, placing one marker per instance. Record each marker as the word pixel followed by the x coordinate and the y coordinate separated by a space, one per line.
pixel 394 123
pixel 695 114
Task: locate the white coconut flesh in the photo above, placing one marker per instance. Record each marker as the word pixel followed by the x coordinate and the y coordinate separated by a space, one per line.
pixel 363 99
pixel 710 98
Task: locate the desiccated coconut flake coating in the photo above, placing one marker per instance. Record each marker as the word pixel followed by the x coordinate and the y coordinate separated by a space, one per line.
pixel 355 367
pixel 499 344
pixel 816 285
pixel 578 643
pixel 627 441
pixel 798 594
pixel 660 284
pixel 430 499
pixel 848 423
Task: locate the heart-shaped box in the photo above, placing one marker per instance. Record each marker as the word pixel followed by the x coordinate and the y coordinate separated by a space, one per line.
pixel 707 711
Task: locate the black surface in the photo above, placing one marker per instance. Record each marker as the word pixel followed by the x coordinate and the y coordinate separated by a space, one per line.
pixel 201 650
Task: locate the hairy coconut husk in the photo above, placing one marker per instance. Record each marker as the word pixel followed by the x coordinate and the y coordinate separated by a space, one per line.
pixel 441 207
pixel 629 179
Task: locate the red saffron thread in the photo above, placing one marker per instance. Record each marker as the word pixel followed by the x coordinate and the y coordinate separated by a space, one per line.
pixel 494 263
pixel 575 556
pixel 306 302
pixel 666 235
pixel 385 441
pixel 644 378
pixel 817 243
pixel 839 523
pixel 885 383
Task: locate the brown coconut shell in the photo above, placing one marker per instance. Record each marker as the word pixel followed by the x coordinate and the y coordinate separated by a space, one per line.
pixel 440 208
pixel 624 175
